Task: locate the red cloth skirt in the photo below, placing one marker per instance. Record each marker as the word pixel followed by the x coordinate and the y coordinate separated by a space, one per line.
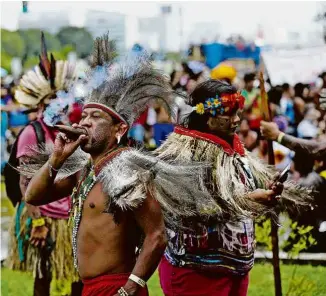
pixel 108 285
pixel 178 281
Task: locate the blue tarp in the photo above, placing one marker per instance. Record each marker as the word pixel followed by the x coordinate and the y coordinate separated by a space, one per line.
pixel 216 53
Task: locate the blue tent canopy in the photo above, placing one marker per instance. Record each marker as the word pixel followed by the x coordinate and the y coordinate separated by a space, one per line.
pixel 216 53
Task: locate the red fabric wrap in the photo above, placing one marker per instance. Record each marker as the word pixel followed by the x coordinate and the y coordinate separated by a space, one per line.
pixel 237 145
pixel 108 285
pixel 187 282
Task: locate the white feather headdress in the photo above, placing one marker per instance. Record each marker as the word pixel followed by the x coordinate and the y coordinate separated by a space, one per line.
pixel 124 88
pixel 42 83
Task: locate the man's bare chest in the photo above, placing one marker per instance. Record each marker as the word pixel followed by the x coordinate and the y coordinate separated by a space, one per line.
pixel 96 202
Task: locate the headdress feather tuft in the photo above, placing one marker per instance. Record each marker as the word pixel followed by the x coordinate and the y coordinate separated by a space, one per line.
pixel 127 86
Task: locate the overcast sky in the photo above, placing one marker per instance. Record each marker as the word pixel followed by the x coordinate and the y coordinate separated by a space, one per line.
pixel 237 17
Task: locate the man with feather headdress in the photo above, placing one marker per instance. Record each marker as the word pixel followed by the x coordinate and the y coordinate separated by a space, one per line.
pixel 120 196
pixel 41 242
pixel 214 257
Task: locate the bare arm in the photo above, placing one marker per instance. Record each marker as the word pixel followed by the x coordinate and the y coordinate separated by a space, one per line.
pixel 43 190
pixel 150 219
pixel 311 147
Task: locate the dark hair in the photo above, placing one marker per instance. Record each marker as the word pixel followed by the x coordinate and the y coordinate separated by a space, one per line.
pixel 201 93
pixel 249 77
pixel 298 90
pixel 304 163
pixel 187 69
pixel 275 95
pixel 286 87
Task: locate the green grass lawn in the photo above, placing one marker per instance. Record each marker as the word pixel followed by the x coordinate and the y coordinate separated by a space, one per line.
pixel 307 281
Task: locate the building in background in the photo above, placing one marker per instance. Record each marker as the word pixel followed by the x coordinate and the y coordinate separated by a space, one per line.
pixel 204 32
pixel 164 31
pixel 152 33
pixel 51 21
pixel 122 28
pixel 291 38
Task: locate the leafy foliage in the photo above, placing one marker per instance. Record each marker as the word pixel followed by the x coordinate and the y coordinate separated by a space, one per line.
pixel 32 38
pixel 6 61
pixel 80 39
pixel 296 238
pixel 12 43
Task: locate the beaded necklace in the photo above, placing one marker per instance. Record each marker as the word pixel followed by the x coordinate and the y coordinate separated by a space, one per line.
pixel 80 194
pixel 78 197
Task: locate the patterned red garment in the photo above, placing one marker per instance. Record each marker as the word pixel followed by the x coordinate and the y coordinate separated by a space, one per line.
pixel 188 282
pixel 219 249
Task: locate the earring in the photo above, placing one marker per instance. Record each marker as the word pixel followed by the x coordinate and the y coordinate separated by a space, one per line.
pixel 118 138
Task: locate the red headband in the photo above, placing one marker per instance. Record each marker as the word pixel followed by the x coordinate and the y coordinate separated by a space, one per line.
pixel 106 109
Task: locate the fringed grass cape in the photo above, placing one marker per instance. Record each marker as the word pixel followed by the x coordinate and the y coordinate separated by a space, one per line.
pixel 228 180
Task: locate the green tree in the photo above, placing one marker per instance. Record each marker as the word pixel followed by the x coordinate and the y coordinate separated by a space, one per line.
pixel 32 38
pixel 79 38
pixel 12 43
pixel 6 61
pixel 62 54
pixel 30 62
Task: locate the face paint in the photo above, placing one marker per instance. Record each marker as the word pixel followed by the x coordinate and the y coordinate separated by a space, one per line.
pixel 224 125
pixel 99 126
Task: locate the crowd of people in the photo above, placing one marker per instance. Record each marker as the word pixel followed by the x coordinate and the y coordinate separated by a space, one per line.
pixel 187 207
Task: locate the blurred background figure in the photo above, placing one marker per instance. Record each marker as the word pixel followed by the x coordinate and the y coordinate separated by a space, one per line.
pixel 248 136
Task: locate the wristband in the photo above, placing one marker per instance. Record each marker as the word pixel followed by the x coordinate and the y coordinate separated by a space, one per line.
pixel 51 170
pixel 122 292
pixel 280 137
pixel 137 280
pixel 38 222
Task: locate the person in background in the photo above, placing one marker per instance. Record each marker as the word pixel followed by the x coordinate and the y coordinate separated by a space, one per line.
pixel 287 107
pixel 4 128
pixel 308 127
pixel 180 77
pixel 300 94
pixel 252 102
pixel 163 126
pixel 311 174
pixel 247 136
pixel 40 239
pixel 137 132
pixel 312 147
pixel 282 155
pixel 249 91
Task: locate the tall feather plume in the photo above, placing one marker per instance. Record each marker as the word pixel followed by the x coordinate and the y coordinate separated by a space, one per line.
pixel 129 85
pixel 44 64
pixel 52 72
pixel 102 52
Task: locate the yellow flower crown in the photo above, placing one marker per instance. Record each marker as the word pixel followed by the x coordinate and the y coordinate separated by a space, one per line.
pixel 223 105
